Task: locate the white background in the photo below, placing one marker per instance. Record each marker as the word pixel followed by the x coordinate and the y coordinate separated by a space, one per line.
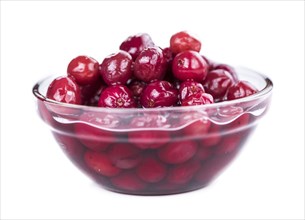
pixel 40 38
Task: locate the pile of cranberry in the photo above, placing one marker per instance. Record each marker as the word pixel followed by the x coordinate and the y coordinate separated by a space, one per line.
pixel 144 75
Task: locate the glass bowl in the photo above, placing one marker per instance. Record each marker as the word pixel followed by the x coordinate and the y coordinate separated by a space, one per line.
pixel 155 151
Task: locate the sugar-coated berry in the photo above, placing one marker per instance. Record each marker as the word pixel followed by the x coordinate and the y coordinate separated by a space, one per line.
pixel 116 68
pixel 189 65
pixel 84 69
pixel 65 89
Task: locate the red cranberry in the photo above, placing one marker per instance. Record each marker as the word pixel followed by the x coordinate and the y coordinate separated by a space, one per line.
pixel 189 88
pixel 150 65
pixel 189 65
pixel 229 69
pixel 217 82
pixel 93 98
pixel 212 168
pixel 183 41
pixel 183 173
pixel 151 170
pixel 116 68
pixel 203 153
pixel 240 90
pixel 70 146
pixel 84 69
pixel 212 138
pixel 124 156
pixel 91 135
pixel 65 89
pixel 198 128
pixel 117 96
pixel 128 181
pixel 135 44
pixel 228 144
pixel 100 163
pixel 159 94
pixel 148 139
pixel 136 87
pixel 200 98
pixel 177 152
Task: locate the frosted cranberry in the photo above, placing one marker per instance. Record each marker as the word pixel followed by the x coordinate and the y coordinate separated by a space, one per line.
pixel 136 87
pixel 151 170
pixel 124 156
pixel 240 90
pixel 116 96
pixel 135 44
pixel 217 82
pixel 189 65
pixel 198 128
pixel 183 41
pixel 188 88
pixel 128 181
pixel 116 68
pixel 64 89
pixel 177 152
pixel 84 69
pixel 200 98
pixel 89 133
pixel 149 139
pixel 183 173
pixel 100 163
pixel 159 94
pixel 150 65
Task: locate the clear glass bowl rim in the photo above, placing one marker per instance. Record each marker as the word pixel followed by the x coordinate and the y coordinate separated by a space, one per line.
pixel 266 91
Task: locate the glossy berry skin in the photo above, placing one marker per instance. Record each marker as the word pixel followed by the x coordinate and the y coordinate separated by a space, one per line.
pixel 84 69
pixel 217 83
pixel 189 65
pixel 240 90
pixel 116 96
pixel 65 89
pixel 200 98
pixel 136 43
pixel 188 88
pixel 230 69
pixel 116 68
pixel 183 41
pixel 150 65
pixel 159 94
